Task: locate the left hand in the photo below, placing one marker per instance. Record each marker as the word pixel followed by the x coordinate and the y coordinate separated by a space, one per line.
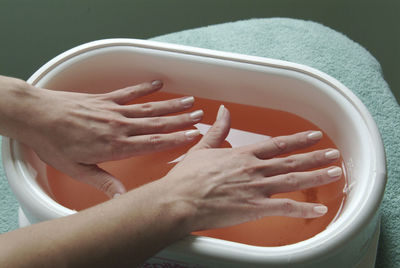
pixel 75 131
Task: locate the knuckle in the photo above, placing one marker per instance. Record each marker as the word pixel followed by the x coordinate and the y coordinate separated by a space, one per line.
pixel 318 157
pixel 248 168
pixel 302 140
pixel 319 179
pixel 288 207
pixel 291 163
pixel 155 141
pixel 130 92
pixel 303 213
pixel 133 92
pixel 178 104
pixel 278 143
pixel 113 147
pixel 246 165
pixel 147 109
pixel 116 123
pixel 291 181
pixel 174 104
pixel 157 123
pixel 216 130
pixel 107 137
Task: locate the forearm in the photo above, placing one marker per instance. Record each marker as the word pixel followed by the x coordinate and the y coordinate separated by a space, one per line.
pixel 122 232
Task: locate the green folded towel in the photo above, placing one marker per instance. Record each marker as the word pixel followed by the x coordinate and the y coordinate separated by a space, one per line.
pixel 8 204
pixel 311 44
pixel 315 45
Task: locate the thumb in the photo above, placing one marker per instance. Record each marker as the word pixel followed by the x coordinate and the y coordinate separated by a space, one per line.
pixel 101 179
pixel 217 133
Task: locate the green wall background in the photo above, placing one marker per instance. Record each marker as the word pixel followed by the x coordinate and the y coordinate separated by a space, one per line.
pixel 33 32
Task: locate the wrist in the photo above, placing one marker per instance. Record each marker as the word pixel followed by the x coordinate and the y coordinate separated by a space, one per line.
pixel 18 108
pixel 175 212
pixel 180 209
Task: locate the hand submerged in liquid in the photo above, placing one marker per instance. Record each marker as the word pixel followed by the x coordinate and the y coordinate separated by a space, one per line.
pixel 73 132
pixel 219 187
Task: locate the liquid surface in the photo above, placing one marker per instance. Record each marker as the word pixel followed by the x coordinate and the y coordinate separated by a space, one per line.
pixel 269 231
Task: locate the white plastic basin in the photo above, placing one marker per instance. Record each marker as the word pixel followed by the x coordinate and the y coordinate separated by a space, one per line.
pixel 111 64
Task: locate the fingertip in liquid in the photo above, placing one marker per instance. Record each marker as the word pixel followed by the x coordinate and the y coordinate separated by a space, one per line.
pixel 221 112
pixel 320 210
pixel 315 135
pixel 156 83
pixel 196 115
pixel 332 154
pixel 191 134
pixel 334 172
pixel 187 102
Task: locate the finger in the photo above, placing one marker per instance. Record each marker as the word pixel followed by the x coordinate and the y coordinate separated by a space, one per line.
pixel 142 126
pixel 284 144
pixel 291 208
pixel 143 144
pixel 124 95
pixel 301 180
pixel 300 162
pixel 217 133
pixel 151 109
pixel 101 179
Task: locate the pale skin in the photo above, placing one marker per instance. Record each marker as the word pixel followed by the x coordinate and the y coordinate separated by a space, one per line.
pixel 73 131
pixel 211 187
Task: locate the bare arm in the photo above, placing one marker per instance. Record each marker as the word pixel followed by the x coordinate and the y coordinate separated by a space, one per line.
pixel 209 188
pixel 123 232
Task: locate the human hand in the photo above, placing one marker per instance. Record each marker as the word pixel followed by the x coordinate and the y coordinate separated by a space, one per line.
pixel 75 131
pixel 219 187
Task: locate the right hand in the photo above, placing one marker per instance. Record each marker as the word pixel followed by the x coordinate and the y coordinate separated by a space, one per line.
pixel 220 187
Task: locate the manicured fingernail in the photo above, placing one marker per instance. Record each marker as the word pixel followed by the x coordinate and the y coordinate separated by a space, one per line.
pixel 191 134
pixel 315 135
pixel 116 195
pixel 187 102
pixel 156 83
pixel 320 209
pixel 196 115
pixel 332 154
pixel 221 112
pixel 334 172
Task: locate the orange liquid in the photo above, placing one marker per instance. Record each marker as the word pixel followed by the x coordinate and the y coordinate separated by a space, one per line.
pixel 269 231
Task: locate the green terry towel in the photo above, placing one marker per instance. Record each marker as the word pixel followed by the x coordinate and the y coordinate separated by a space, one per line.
pixel 317 46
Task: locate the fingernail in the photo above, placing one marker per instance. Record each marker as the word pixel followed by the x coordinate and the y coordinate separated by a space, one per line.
pixel 156 83
pixel 221 112
pixel 334 172
pixel 191 134
pixel 320 209
pixel 332 154
pixel 315 135
pixel 196 115
pixel 187 102
pixel 116 195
